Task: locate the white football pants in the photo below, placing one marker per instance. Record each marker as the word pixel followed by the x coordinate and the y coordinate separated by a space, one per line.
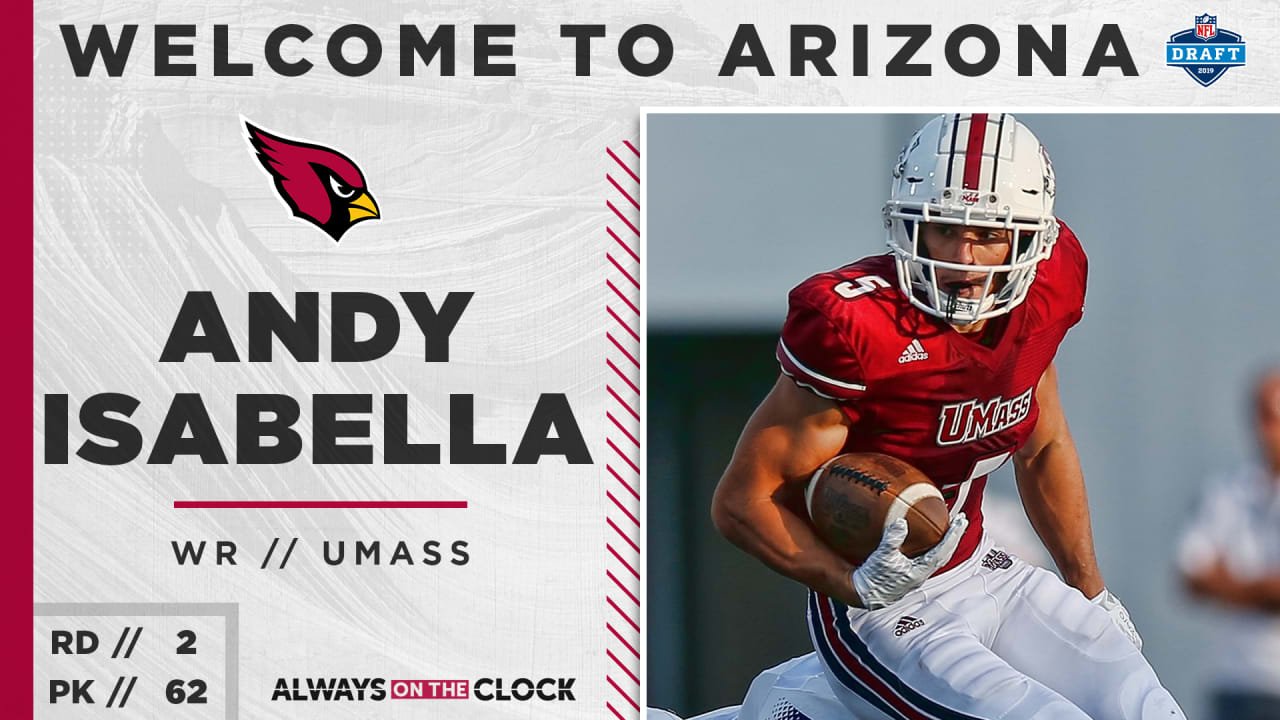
pixel 993 638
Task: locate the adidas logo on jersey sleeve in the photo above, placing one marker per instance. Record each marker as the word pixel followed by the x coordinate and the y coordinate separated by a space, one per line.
pixel 915 351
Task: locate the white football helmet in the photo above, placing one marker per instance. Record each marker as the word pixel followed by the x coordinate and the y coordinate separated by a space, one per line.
pixel 975 169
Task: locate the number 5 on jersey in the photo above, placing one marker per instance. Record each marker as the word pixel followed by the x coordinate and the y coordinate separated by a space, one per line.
pixel 957 494
pixel 861 286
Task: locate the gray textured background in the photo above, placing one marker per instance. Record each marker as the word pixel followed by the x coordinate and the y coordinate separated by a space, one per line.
pixel 146 188
pixel 1180 314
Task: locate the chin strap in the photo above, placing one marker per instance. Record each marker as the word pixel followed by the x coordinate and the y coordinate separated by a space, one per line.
pixel 953 302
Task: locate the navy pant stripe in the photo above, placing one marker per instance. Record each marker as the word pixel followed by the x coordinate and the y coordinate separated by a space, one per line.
pixel 838 669
pixel 860 649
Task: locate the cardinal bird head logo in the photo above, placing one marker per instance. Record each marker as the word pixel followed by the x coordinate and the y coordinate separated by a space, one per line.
pixel 319 184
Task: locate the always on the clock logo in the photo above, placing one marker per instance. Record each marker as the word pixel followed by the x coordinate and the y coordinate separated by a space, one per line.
pixel 319 184
pixel 362 689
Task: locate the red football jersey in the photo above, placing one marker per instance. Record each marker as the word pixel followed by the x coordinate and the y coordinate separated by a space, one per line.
pixel 916 389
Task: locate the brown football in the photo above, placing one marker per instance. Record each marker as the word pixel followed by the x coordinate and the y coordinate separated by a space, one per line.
pixel 853 496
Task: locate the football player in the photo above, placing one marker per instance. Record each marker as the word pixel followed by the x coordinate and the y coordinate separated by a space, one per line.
pixel 941 353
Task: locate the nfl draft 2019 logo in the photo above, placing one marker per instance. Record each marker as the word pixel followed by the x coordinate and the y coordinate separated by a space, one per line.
pixel 1205 51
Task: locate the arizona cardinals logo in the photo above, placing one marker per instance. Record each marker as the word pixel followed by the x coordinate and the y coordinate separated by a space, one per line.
pixel 319 184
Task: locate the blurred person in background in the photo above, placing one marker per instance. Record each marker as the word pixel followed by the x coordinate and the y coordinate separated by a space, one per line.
pixel 1230 555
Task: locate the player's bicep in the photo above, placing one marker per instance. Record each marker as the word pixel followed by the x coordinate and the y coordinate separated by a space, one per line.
pixel 789 435
pixel 1051 424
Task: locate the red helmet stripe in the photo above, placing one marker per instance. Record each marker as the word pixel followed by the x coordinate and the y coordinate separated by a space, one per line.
pixel 973 151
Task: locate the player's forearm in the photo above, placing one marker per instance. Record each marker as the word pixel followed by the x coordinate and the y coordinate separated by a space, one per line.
pixel 1261 594
pixel 1052 489
pixel 770 531
pixel 1219 584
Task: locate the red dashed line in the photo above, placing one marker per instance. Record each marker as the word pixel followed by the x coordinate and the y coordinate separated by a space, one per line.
pixel 624 562
pixel 624 404
pixel 625 194
pixel 623 165
pixel 623 509
pixel 624 272
pixel 622 217
pixel 624 482
pixel 626 247
pixel 623 456
pixel 630 384
pixel 621 640
pixel 623 694
pixel 623 324
pixel 634 599
pixel 623 350
pixel 630 674
pixel 630 437
pixel 624 615
pixel 623 535
pixel 624 299
pixel 631 381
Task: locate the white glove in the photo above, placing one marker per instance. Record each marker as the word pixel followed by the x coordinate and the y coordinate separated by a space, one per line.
pixel 1119 615
pixel 887 574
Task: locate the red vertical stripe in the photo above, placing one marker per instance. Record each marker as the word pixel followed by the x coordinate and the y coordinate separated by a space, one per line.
pixel 17 324
pixel 973 151
pixel 629 374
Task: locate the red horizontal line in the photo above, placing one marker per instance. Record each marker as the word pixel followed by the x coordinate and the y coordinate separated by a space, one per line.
pixel 319 504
